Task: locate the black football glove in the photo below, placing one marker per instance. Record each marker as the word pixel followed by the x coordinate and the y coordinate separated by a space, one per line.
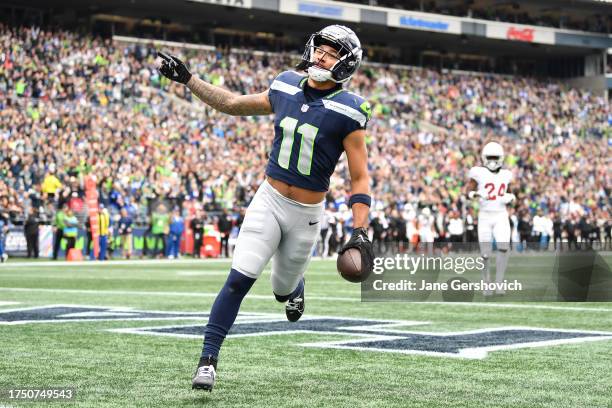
pixel 173 68
pixel 359 239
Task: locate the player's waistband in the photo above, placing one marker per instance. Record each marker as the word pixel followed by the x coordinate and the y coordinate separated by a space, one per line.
pixel 268 187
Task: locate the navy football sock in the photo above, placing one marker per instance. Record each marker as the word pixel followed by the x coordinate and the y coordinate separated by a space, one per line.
pixel 224 311
pixel 298 290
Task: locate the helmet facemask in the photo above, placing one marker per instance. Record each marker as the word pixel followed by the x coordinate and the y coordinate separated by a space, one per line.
pixel 493 163
pixel 316 72
pixel 348 58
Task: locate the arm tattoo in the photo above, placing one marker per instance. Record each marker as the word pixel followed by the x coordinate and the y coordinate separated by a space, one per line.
pixel 227 102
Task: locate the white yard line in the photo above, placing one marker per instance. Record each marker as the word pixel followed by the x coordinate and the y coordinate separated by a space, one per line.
pixel 318 298
pixel 156 262
pixel 524 306
pixel 158 293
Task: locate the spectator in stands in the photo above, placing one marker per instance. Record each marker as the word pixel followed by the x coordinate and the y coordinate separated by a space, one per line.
pixel 147 237
pixel 572 232
pixel 59 225
pixel 557 231
pixel 104 231
pixel 89 242
pixel 197 227
pixel 51 184
pixel 71 230
pixel 224 224
pixel 125 233
pixel 607 235
pixel 177 226
pixel 31 228
pixel 160 226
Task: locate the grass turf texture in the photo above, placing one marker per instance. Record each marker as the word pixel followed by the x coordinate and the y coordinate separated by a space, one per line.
pixel 118 370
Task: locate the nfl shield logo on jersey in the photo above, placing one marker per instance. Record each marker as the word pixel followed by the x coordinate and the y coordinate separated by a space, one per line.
pixel 304 108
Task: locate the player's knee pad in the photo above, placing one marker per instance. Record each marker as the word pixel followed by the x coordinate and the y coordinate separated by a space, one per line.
pixel 257 241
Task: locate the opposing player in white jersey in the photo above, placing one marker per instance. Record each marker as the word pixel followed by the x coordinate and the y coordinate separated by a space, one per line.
pixel 490 184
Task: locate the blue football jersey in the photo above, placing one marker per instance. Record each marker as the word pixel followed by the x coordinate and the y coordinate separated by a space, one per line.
pixel 308 132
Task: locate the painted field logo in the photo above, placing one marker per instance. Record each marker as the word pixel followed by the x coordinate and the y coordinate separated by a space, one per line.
pixel 362 334
pixel 78 313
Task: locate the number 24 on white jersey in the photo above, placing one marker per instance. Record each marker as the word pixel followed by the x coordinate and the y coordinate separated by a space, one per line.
pixel 491 186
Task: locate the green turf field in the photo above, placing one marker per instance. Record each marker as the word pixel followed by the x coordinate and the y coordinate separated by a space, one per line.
pixel 119 369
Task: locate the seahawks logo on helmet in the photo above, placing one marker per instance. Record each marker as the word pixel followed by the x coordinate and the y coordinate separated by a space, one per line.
pixel 342 39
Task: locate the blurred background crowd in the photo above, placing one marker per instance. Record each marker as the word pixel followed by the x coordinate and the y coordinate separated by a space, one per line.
pixel 73 105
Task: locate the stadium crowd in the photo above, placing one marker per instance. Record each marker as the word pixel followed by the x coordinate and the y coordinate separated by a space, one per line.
pixel 75 105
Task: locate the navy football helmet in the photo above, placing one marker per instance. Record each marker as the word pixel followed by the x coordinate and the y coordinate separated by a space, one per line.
pixel 343 40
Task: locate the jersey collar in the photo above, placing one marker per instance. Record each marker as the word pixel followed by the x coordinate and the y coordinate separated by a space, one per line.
pixel 312 95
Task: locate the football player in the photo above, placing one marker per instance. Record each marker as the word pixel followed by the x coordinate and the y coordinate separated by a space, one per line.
pixel 489 183
pixel 315 120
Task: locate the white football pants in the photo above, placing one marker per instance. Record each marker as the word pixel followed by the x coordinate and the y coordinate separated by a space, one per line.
pixel 275 225
pixel 493 225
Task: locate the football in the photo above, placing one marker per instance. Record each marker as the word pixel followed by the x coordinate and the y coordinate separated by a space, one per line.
pixel 349 266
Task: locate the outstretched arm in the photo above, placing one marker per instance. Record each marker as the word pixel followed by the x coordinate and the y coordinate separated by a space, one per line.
pixel 227 102
pixel 218 98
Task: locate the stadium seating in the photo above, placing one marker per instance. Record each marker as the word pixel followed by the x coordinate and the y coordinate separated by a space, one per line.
pixel 72 105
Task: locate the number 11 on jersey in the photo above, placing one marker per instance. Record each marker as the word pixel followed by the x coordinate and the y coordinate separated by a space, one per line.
pixel 309 133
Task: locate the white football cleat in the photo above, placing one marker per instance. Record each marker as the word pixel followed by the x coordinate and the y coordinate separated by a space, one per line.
pixel 204 377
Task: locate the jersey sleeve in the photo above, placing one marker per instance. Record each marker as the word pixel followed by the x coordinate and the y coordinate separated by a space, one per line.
pixel 355 111
pixel 273 93
pixel 365 109
pixel 473 173
pixel 285 83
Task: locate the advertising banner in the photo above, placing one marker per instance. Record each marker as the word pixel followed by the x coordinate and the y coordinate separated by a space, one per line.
pixel 517 32
pixel 324 9
pixel 424 21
